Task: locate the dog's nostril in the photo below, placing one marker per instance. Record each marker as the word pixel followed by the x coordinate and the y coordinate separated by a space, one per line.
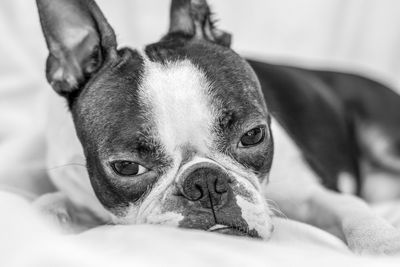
pixel 199 193
pixel 193 189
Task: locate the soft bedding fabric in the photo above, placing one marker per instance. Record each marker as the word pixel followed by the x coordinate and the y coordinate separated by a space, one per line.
pixel 26 240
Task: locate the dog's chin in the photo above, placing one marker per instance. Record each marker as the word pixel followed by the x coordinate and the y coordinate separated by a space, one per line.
pixel 234 230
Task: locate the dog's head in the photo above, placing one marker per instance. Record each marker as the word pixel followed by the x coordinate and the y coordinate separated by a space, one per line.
pixel 177 134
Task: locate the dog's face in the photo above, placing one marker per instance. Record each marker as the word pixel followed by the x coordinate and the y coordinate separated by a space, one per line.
pixel 177 134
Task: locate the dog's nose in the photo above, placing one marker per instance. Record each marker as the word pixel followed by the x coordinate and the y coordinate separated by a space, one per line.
pixel 208 185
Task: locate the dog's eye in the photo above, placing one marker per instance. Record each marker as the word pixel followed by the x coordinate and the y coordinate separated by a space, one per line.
pixel 127 168
pixel 252 137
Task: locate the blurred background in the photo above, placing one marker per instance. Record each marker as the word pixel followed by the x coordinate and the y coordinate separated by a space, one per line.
pixel 360 36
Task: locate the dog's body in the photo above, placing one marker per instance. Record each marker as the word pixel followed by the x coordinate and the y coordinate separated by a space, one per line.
pixel 354 118
pixel 179 134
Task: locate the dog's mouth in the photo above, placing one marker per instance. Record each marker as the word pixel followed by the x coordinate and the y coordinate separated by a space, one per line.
pixel 233 230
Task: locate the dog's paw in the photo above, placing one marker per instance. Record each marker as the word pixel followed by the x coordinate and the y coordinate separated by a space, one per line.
pixel 376 246
pixel 373 237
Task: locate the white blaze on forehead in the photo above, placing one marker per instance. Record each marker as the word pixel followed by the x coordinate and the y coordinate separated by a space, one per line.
pixel 177 95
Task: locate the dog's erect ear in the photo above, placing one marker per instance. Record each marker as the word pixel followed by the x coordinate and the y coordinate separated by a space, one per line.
pixel 79 40
pixel 193 18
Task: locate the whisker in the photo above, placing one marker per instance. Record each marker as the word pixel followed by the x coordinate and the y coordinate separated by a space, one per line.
pixel 271 202
pixel 65 165
pixel 278 213
pixel 273 206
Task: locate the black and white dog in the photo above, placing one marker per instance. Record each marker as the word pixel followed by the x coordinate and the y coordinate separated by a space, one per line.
pixel 184 133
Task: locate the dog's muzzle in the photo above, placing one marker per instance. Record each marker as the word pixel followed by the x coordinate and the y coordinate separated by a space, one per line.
pixel 216 201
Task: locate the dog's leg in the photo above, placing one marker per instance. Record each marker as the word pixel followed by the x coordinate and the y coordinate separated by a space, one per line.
pixel 61 212
pixel 354 221
pixel 346 216
pixel 296 190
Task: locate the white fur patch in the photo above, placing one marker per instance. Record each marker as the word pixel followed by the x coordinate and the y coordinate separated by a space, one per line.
pixel 178 97
pixel 379 186
pixel 346 183
pixel 289 166
pixel 379 146
pixel 292 181
pixel 168 218
pixel 256 217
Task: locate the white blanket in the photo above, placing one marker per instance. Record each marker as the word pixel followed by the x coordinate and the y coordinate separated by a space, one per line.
pixel 26 240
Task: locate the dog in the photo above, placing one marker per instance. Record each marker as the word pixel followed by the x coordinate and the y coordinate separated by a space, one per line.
pixel 187 133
